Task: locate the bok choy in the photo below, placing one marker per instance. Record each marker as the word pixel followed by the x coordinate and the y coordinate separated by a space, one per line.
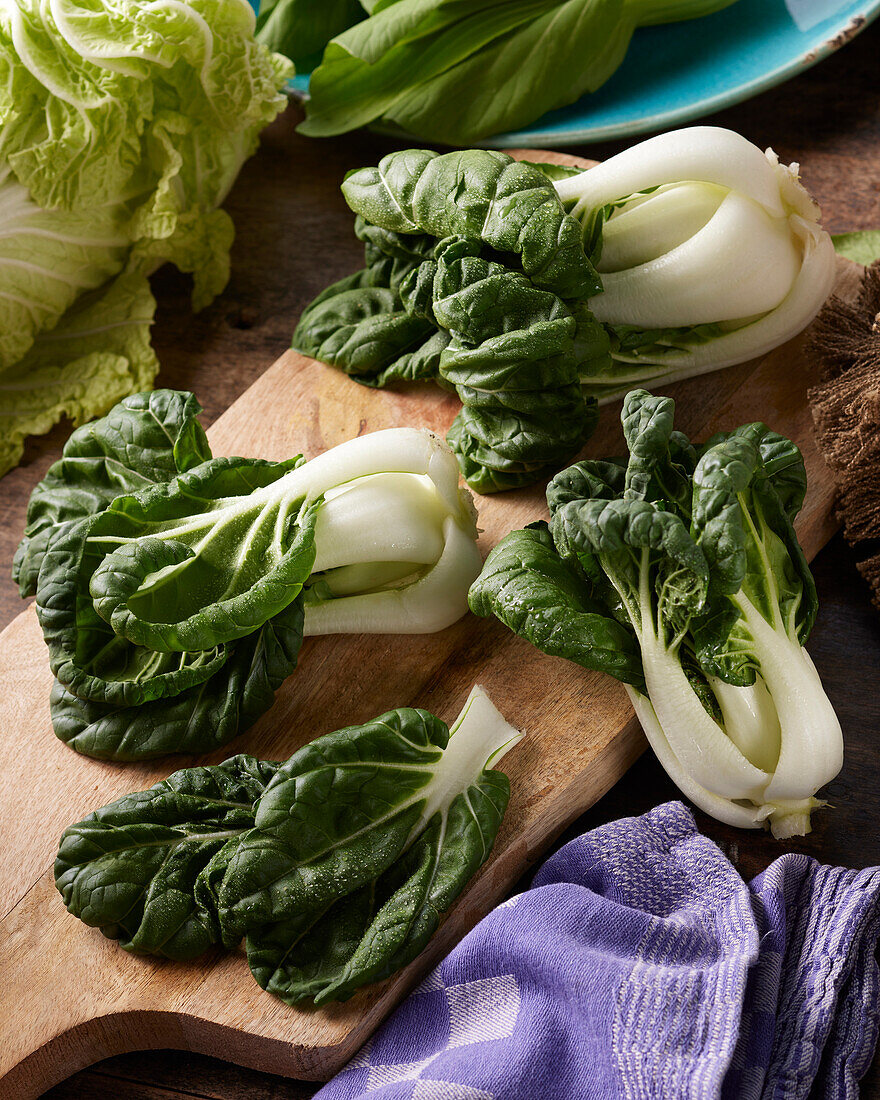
pixel 174 588
pixel 336 865
pixel 680 574
pixel 454 72
pixel 535 291
pixel 710 253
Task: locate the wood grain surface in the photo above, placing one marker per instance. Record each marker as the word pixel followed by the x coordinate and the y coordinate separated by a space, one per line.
pixel 293 237
pixel 581 738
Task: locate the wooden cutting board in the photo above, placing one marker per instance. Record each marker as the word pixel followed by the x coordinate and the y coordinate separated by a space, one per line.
pixel 70 997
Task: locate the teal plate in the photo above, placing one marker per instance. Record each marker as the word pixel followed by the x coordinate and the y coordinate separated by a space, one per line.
pixel 682 71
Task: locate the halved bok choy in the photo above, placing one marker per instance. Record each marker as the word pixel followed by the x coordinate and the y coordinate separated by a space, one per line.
pixel 174 589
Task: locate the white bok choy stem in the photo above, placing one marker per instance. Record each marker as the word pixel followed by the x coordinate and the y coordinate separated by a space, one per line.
pixel 435 600
pixel 742 815
pixel 811 741
pixel 699 744
pixel 750 719
pixel 396 549
pixel 780 741
pixel 710 246
pixel 478 739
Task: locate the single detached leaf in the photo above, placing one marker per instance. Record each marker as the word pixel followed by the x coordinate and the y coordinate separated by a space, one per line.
pixel 343 809
pixel 368 935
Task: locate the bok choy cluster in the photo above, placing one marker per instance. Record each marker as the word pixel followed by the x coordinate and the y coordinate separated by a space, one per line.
pixel 174 589
pixel 679 572
pixel 536 290
pixel 335 865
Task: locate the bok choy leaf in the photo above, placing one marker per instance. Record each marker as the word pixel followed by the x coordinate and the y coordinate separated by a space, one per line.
pixel 337 865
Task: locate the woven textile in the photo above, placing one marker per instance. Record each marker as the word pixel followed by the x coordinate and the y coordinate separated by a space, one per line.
pixel 640 965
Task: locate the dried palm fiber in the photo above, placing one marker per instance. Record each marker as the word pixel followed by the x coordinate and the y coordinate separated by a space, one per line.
pixel 846 413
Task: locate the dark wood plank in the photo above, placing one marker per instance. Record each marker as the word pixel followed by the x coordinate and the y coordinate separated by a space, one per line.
pixel 829 119
pixel 177 1075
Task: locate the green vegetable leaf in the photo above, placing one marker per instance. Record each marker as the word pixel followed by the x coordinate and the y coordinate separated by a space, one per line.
pixel 456 73
pixel 130 868
pixel 368 935
pixel 98 352
pixel 547 601
pixel 96 662
pixel 863 246
pixel 147 438
pixel 124 127
pixel 85 655
pixel 603 480
pixel 513 358
pixel 746 533
pixel 356 851
pixel 343 809
pixel 364 330
pixel 478 195
pixel 204 559
pixel 633 540
pixel 300 29
pixel 196 720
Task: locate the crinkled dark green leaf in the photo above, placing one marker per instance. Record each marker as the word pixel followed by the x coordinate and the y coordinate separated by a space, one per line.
pixel 87 655
pixel 197 720
pixel 255 550
pixel 478 195
pixel 513 362
pixel 547 601
pixel 654 470
pixel 145 439
pixel 130 868
pixel 370 934
pixel 622 534
pixel 743 524
pixel 362 330
pixel 600 479
pixel 84 653
pixel 339 813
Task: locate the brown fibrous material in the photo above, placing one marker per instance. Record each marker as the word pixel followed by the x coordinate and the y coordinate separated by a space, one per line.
pixel 846 411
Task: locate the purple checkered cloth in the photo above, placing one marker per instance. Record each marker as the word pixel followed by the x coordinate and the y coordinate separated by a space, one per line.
pixel 641 965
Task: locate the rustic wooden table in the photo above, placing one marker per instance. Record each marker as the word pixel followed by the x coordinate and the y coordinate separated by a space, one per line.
pixel 293 237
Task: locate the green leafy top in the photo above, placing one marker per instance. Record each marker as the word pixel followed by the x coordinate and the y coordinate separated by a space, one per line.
pixel 336 865
pixel 478 195
pixel 145 439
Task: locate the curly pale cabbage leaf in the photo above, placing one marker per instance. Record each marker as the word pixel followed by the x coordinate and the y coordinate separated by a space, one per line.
pixel 122 127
